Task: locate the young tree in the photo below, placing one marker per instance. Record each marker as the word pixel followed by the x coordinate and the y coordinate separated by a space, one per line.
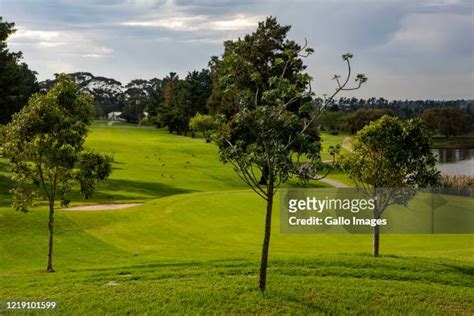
pixel 45 145
pixel 17 81
pixel 391 159
pixel 273 127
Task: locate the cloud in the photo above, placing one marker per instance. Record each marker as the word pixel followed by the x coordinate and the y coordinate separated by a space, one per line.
pixel 398 43
pixel 66 42
pixel 435 33
pixel 238 22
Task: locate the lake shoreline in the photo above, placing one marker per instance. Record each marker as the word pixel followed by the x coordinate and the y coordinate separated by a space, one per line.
pixel 458 142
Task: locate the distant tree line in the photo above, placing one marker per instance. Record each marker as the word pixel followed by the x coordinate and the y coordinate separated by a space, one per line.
pixel 403 109
pixel 449 118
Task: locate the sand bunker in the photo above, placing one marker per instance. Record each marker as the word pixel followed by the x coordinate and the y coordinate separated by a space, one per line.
pixel 100 207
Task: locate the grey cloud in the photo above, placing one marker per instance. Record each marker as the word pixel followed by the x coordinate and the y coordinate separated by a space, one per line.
pixel 396 42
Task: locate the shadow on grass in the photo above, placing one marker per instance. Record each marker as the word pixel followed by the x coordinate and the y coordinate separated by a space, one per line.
pixel 111 189
pixel 136 190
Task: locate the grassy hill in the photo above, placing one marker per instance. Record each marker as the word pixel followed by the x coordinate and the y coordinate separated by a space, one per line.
pixel 194 246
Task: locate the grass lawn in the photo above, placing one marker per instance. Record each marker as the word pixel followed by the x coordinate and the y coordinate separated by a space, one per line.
pixel 194 246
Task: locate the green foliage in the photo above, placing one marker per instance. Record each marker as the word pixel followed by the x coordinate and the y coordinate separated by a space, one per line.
pixel 203 123
pixel 2 136
pixel 252 67
pixel 355 121
pixel 449 121
pixel 182 99
pixel 350 122
pixel 199 86
pixel 391 161
pixel 135 106
pixel 93 168
pixel 17 81
pixel 259 140
pixel 391 153
pixel 44 142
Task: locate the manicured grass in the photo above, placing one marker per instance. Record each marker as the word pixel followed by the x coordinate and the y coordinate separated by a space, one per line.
pixel 341 284
pixel 333 140
pixel 194 247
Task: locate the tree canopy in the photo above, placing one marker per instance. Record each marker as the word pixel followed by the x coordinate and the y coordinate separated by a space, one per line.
pixel 17 81
pixel 251 67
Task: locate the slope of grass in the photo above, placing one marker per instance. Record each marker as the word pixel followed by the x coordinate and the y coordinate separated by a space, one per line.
pixel 336 285
pixel 195 245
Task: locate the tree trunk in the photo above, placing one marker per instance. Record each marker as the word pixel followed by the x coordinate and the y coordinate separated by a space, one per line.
pixel 264 177
pixel 266 240
pixel 376 241
pixel 50 247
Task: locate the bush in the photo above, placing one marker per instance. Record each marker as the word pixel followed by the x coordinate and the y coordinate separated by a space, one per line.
pixel 147 122
pixel 203 123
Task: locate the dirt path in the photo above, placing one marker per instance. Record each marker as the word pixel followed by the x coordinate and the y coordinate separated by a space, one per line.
pixel 334 183
pixel 100 207
pixel 346 144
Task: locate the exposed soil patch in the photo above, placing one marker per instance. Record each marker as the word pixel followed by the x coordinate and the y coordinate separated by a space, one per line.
pixel 100 207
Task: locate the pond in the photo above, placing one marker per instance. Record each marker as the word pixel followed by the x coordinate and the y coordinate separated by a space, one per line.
pixel 455 161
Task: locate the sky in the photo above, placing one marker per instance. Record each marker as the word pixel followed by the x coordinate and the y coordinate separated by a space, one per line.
pixel 409 49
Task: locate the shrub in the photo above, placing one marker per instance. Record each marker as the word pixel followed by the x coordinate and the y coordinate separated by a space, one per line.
pixel 203 123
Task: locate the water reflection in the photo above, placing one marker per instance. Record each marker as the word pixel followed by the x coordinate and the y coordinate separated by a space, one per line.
pixel 455 161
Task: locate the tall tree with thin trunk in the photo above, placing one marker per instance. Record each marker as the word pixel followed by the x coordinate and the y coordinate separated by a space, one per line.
pixel 273 132
pixel 391 161
pixel 45 145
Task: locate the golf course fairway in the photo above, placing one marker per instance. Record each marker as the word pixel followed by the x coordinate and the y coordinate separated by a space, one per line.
pixel 196 240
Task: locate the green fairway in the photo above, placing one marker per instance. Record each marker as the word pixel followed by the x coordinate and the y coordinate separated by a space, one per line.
pixel 194 246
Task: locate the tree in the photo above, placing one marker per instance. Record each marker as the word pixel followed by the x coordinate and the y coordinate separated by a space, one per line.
pixel 449 121
pixel 17 81
pixel 357 120
pixel 199 87
pixel 45 146
pixel 391 159
pixel 135 106
pixel 182 99
pixel 203 123
pixel 272 130
pixel 155 96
